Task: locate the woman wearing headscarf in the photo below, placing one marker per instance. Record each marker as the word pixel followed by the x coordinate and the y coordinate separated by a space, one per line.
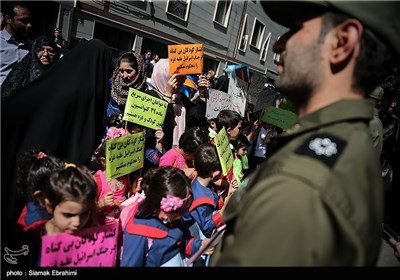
pixel 167 88
pixel 43 55
pixel 128 72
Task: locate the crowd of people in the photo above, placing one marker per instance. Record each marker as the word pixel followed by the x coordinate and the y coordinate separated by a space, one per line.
pixel 311 195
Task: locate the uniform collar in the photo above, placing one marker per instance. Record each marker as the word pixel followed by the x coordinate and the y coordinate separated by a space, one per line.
pixel 343 110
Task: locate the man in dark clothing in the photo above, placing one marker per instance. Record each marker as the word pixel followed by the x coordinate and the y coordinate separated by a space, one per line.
pixel 148 66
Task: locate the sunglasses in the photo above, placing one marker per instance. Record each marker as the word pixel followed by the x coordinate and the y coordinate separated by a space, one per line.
pixel 128 71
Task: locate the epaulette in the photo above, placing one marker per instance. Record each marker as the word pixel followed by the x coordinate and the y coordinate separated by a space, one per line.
pixel 323 147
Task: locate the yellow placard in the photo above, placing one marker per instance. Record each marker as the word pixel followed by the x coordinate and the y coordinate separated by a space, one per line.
pixel 144 109
pixel 185 59
pixel 224 151
pixel 124 155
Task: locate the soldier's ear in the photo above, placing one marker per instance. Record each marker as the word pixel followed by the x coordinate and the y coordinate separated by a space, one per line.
pixel 345 41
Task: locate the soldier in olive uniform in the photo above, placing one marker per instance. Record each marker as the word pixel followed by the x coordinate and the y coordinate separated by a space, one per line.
pixel 318 198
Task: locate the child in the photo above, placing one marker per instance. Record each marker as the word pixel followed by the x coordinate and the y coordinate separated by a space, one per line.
pixel 205 199
pixel 231 120
pixel 240 147
pixel 70 197
pixel 111 192
pixel 35 168
pixel 156 234
pixel 182 157
pixel 207 206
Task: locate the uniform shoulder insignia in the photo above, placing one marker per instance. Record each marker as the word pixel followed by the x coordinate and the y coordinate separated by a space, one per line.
pixel 323 147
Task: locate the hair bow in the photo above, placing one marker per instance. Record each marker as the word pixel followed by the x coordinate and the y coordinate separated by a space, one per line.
pixel 114 132
pixel 41 155
pixel 172 203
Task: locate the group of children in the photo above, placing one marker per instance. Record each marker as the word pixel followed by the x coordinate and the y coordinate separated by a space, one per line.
pixel 181 201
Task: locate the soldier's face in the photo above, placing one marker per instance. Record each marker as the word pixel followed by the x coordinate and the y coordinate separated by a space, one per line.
pixel 300 69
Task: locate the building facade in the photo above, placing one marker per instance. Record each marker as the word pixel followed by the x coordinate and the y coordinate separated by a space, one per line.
pixel 233 32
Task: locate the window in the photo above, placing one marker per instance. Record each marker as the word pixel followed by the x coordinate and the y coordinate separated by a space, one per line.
pixel 115 38
pixel 257 34
pixel 244 35
pixel 264 49
pixel 178 8
pixel 222 12
pixel 277 56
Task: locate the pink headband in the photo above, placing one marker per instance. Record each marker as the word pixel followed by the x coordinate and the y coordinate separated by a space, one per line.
pixel 172 203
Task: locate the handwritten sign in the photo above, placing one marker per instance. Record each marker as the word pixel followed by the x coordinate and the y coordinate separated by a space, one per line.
pixel 234 100
pixel 279 117
pixel 237 88
pixel 144 109
pixel 224 151
pixel 96 246
pixel 217 101
pixel 185 59
pixel 124 155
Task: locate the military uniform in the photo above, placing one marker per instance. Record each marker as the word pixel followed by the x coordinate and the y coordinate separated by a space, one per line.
pixel 316 201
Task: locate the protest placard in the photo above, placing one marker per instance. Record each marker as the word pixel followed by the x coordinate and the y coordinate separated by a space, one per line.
pixel 124 155
pixel 185 59
pixel 144 109
pixel 96 246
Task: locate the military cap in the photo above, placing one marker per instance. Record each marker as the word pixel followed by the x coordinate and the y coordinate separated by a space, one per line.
pixel 377 93
pixel 382 17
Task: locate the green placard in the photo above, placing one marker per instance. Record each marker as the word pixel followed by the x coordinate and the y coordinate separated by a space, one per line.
pixel 279 117
pixel 224 151
pixel 144 109
pixel 124 155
